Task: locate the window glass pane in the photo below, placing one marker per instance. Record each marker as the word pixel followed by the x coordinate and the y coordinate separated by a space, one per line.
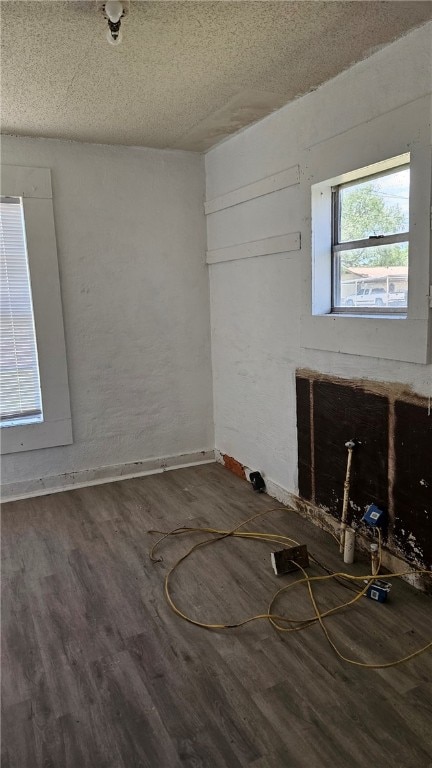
pixel 19 369
pixel 377 206
pixel 372 277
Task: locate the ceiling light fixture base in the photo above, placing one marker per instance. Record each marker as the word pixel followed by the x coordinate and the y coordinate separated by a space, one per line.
pixel 114 12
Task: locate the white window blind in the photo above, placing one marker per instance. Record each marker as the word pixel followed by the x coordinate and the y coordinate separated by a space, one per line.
pixel 19 371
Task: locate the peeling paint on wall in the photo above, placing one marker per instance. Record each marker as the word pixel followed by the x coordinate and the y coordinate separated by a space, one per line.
pixel 234 466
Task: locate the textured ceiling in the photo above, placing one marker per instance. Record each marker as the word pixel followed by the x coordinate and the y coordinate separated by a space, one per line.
pixel 187 73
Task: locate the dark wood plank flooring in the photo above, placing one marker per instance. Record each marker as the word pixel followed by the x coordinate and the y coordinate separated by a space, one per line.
pixel 99 673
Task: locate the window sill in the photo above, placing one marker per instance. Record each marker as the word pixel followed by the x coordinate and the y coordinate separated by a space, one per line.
pixel 368 336
pixel 22 422
pixel 370 316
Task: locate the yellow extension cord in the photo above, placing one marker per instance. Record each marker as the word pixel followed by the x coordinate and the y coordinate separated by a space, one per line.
pixel 275 619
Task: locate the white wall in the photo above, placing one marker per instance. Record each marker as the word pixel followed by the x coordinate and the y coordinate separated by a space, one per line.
pixel 257 303
pixel 131 246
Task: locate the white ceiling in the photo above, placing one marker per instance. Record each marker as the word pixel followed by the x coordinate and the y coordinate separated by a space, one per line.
pixel 187 74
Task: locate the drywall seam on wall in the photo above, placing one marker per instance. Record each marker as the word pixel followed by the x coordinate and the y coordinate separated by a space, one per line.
pixel 265 247
pixel 85 477
pixel 274 183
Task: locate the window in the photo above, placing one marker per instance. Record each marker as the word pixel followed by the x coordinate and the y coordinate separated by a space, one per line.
pixel 19 370
pixel 365 152
pixel 35 407
pixel 370 239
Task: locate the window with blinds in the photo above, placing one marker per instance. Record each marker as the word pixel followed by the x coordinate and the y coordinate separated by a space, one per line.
pixel 20 394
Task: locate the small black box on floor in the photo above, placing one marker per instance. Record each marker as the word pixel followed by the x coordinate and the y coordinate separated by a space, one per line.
pixel 378 590
pixel 257 481
pixel 286 560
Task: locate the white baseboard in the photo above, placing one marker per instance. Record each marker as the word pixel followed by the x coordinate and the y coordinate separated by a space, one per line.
pixel 25 489
pixel 391 561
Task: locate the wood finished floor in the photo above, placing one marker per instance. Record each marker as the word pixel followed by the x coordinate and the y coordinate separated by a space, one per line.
pixel 99 673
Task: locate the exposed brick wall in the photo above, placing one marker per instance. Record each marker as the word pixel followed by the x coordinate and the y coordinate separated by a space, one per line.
pixel 234 466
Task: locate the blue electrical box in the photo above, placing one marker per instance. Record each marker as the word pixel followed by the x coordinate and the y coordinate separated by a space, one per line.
pixel 373 516
pixel 378 590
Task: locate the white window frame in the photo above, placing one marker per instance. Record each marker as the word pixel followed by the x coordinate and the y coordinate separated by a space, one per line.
pixel 33 185
pixel 338 246
pixel 376 143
